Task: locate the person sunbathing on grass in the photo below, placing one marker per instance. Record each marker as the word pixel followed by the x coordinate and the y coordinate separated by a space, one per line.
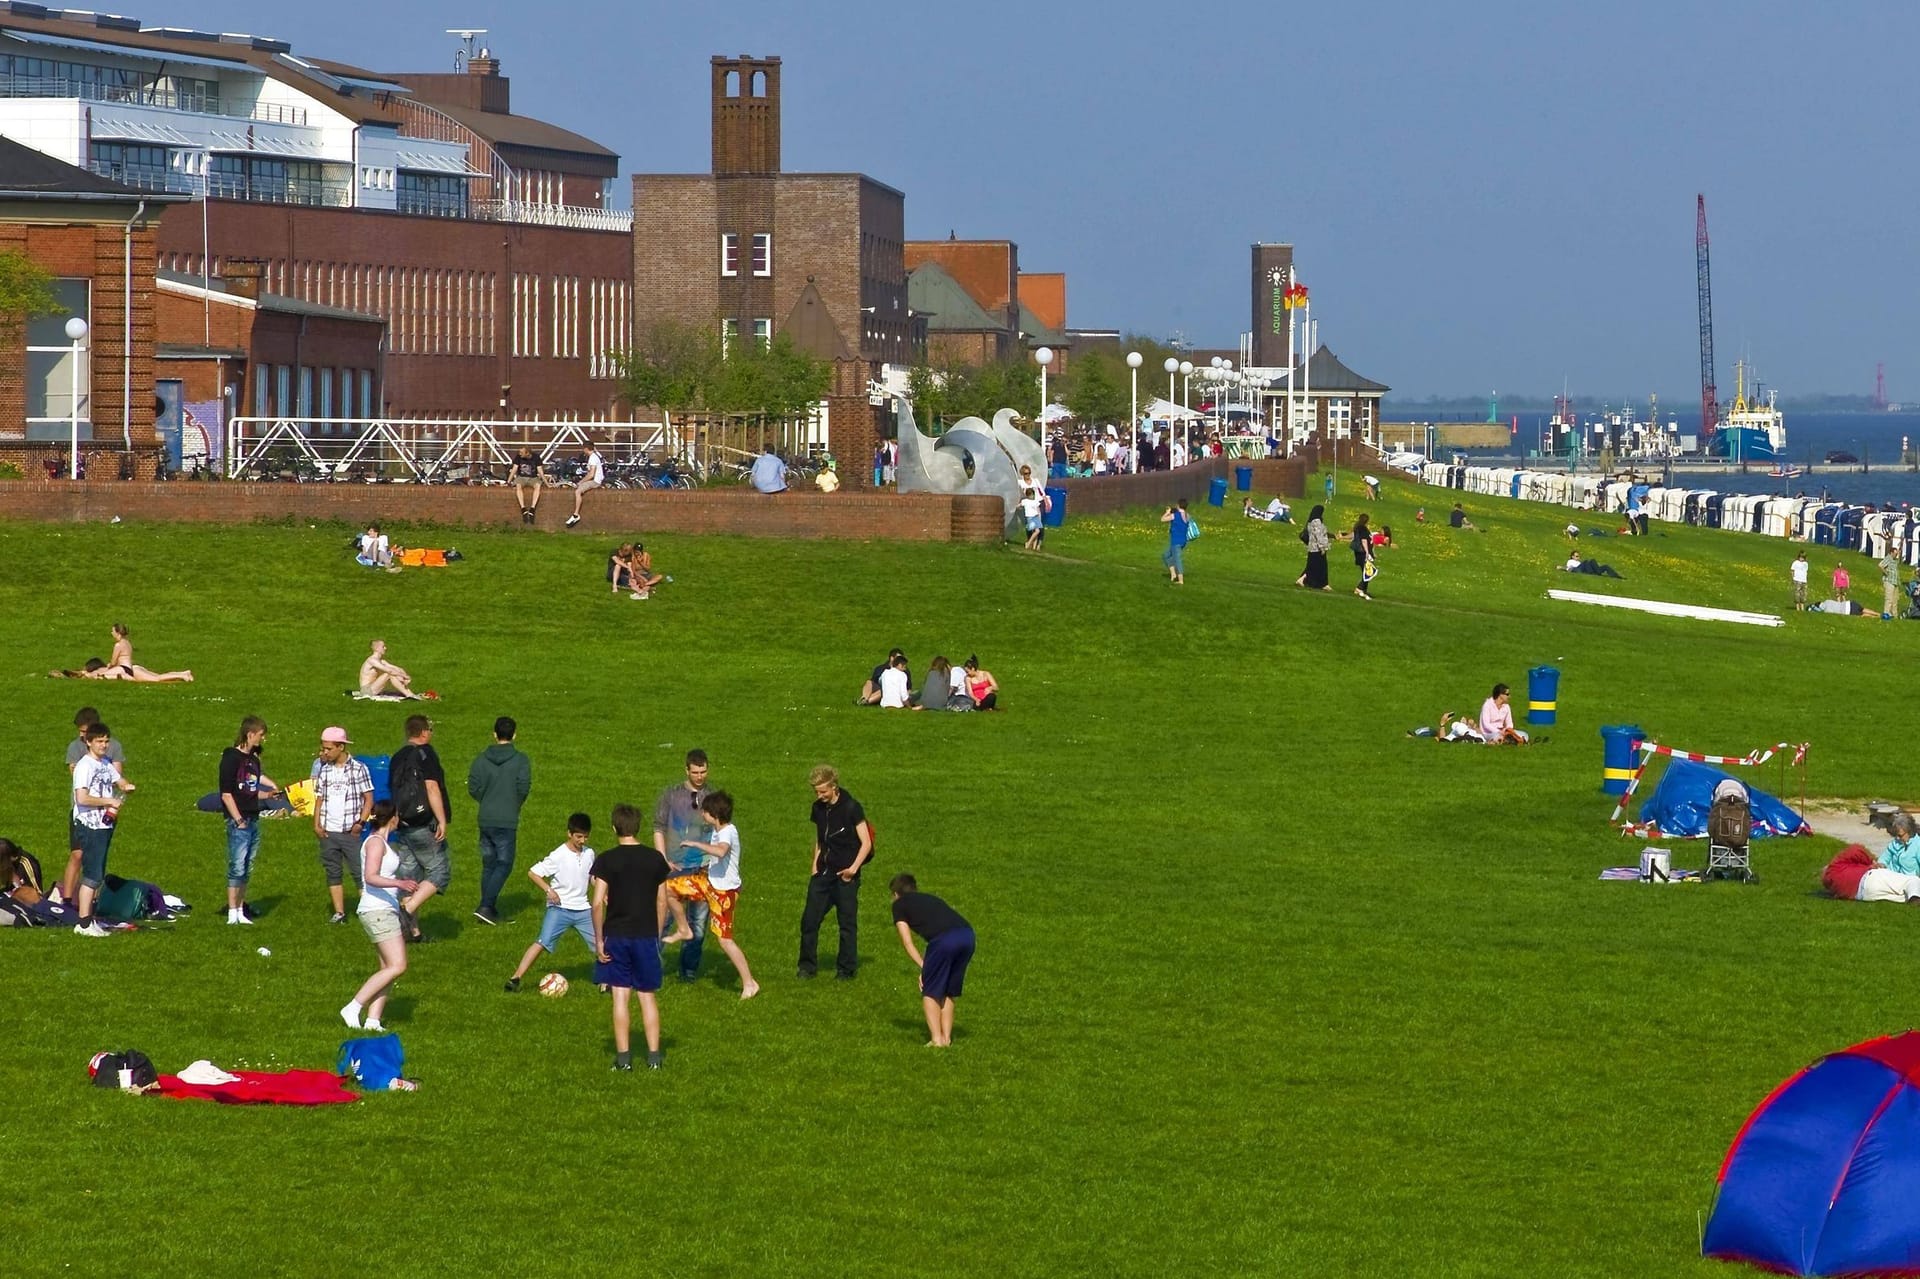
pixel 1592 568
pixel 381 678
pixel 97 669
pixel 1453 728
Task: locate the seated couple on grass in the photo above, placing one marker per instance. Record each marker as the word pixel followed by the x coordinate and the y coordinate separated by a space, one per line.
pixel 1274 512
pixel 631 567
pixel 947 688
pixel 1494 727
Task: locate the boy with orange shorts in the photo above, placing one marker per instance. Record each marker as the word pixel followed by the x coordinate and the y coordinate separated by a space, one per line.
pixel 718 882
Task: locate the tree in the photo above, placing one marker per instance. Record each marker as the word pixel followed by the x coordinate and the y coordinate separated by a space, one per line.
pixel 1097 388
pixel 683 367
pixel 25 289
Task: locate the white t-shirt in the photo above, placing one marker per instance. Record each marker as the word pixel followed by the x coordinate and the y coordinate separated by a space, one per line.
pixel 596 469
pixel 893 688
pixel 724 873
pixel 96 777
pixel 1799 572
pixel 1030 501
pixel 374 900
pixel 373 547
pixel 960 682
pixel 570 873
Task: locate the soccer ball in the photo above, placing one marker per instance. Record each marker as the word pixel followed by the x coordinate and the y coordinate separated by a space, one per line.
pixel 553 985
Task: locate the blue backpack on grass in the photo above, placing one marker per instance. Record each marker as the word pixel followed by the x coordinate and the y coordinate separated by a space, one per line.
pixel 375 1062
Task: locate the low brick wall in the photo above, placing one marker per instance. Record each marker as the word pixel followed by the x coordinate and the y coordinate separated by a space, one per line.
pixel 912 517
pixel 1104 494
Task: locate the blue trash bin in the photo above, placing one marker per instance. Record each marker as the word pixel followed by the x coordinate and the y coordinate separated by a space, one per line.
pixel 1620 759
pixel 1055 512
pixel 1217 492
pixel 1243 478
pixel 1543 694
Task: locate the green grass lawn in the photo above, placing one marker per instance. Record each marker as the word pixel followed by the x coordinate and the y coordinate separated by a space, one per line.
pixel 1263 986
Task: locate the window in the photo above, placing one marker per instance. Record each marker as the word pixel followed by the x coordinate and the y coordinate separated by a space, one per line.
pixel 147 167
pixel 262 375
pixel 729 334
pixel 306 392
pixel 435 195
pixel 763 254
pixel 282 390
pixel 326 392
pixel 729 254
pixel 50 362
pixel 367 405
pixel 763 333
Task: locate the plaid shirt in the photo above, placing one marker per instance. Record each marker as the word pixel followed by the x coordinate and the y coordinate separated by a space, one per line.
pixel 338 792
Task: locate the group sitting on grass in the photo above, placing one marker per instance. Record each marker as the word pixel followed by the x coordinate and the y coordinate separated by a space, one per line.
pixel 966 687
pixel 1494 727
pixel 630 568
pixel 1893 876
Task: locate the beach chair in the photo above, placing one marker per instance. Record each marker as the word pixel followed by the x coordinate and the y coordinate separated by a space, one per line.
pixel 1729 832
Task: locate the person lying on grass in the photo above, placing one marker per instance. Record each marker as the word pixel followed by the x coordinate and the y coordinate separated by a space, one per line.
pixel 97 669
pixel 1453 728
pixel 1592 568
pixel 1274 512
pixel 1496 720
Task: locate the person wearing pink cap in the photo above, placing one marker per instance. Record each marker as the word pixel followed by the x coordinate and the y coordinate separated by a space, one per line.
pixel 342 804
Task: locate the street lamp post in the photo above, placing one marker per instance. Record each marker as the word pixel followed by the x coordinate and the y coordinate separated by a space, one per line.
pixel 1043 357
pixel 1172 366
pixel 76 334
pixel 1134 361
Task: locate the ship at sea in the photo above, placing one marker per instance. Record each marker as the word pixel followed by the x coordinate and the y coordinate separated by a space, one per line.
pixel 1752 430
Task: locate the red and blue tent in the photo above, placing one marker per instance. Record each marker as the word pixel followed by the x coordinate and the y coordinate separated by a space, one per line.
pixel 1824 1178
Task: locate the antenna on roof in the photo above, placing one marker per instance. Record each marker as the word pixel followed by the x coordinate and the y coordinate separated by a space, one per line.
pixel 464 54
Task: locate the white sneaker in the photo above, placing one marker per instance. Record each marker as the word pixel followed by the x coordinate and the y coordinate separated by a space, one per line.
pixel 372 1025
pixel 351 1015
pixel 90 929
pixel 239 917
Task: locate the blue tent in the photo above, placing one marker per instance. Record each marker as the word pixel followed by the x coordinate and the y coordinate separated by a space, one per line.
pixel 1819 1181
pixel 1685 793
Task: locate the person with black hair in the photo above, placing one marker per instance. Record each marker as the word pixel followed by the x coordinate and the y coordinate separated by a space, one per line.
pixel 499 780
pixel 943 969
pixel 870 691
pixel 379 913
pixel 1318 541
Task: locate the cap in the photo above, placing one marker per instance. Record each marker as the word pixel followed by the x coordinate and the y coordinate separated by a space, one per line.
pixel 336 734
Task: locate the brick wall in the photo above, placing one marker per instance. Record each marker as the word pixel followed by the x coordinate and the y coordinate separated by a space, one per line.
pixel 1105 494
pixel 914 517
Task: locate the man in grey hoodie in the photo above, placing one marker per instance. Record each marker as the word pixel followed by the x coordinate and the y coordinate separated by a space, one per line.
pixel 499 781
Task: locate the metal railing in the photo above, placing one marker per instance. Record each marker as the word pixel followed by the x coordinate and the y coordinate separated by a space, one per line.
pixel 416 451
pixel 307 192
pixel 575 216
pixel 488 192
pixel 13 86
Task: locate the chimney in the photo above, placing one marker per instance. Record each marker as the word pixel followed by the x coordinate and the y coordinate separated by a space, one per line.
pixel 484 72
pixel 483 63
pixel 242 277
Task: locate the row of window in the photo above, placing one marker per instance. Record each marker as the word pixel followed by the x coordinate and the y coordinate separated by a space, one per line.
pixel 285 390
pixel 730 333
pixel 22 75
pixel 761 247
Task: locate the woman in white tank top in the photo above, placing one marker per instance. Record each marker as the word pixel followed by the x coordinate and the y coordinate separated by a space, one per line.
pixel 379 913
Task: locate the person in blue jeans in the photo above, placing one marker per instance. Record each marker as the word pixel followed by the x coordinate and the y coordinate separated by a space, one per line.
pixel 500 779
pixel 1179 532
pixel 242 786
pixel 950 942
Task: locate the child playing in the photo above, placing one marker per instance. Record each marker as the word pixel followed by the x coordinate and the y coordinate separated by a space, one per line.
pixel 98 790
pixel 1842 583
pixel 949 940
pixel 719 882
pixel 629 903
pixel 564 875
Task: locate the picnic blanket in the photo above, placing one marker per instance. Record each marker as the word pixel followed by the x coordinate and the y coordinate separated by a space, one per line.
pixel 258 1087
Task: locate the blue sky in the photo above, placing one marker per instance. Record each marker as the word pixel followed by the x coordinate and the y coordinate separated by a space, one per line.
pixel 1482 196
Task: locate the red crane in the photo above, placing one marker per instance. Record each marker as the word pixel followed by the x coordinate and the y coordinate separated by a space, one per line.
pixel 1709 399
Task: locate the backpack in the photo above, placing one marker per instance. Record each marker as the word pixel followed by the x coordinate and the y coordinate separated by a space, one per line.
pixel 131 1070
pixel 409 786
pixel 375 1062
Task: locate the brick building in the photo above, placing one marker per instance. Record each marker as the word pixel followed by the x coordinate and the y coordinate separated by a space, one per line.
pixel 758 251
pixel 482 237
pixel 95 237
pixel 988 271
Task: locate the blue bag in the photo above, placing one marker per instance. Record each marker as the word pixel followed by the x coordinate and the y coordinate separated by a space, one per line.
pixel 375 1062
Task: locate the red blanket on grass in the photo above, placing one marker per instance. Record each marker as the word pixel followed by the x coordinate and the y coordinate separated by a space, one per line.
pixel 265 1088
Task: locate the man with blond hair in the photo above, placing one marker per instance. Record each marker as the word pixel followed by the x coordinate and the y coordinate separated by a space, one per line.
pixel 842 846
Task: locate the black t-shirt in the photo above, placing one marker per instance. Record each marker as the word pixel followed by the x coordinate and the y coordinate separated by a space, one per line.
pixel 926 915
pixel 633 875
pixel 1362 544
pixel 430 770
pixel 526 465
pixel 240 778
pixel 1458 518
pixel 837 827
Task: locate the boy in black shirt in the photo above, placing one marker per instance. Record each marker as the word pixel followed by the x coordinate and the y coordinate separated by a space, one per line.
pixel 949 941
pixel 629 903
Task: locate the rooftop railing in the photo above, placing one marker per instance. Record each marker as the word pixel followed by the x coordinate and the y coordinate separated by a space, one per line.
pixel 136 96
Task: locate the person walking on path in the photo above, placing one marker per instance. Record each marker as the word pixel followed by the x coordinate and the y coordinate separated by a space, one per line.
pixel 595 476
pixel 526 480
pixel 342 805
pixel 1800 583
pixel 1889 585
pixel 242 785
pixel 379 912
pixel 420 794
pixel 1179 533
pixel 950 942
pixel 86 717
pixel 679 820
pixel 499 780
pixel 842 846
pixel 1363 557
pixel 97 792
pixel 1314 534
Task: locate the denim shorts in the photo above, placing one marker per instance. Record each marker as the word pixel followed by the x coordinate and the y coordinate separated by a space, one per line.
pixel 243 845
pixel 1176 559
pixel 92 843
pixel 555 923
pixel 422 856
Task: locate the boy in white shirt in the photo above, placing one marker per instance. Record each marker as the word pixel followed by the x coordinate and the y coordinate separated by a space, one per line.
pixel 894 690
pixel 563 875
pixel 720 882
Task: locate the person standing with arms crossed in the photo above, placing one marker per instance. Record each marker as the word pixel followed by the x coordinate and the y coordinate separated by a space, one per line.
pixel 420 795
pixel 499 780
pixel 242 785
pixel 842 846
pixel 342 805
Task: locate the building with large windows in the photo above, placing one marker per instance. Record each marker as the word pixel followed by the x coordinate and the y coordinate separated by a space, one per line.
pixel 483 238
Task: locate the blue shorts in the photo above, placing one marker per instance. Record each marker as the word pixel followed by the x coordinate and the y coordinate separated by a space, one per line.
pixel 92 842
pixel 1033 523
pixel 944 967
pixel 243 845
pixel 634 964
pixel 554 925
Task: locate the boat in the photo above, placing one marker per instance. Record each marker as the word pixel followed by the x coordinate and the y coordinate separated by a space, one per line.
pixel 1752 430
pixel 1787 472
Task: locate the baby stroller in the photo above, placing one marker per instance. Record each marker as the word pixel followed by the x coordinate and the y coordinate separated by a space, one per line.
pixel 1729 831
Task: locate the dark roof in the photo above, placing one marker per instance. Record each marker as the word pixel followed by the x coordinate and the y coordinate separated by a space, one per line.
pixel 26 174
pixel 279 302
pixel 502 129
pixel 949 308
pixel 1325 372
pixel 1036 333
